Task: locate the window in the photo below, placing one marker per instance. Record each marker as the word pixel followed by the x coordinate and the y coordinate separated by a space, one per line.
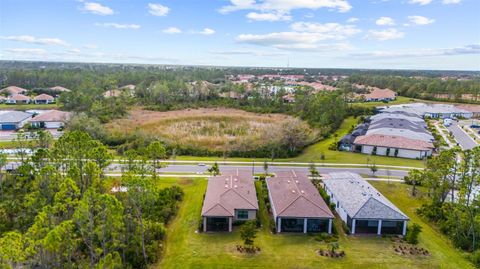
pixel 242 214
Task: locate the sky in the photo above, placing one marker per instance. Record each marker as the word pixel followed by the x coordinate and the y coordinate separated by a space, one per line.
pixel 375 34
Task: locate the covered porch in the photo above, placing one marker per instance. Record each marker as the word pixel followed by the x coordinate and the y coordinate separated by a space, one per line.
pixel 304 225
pixel 379 227
pixel 217 224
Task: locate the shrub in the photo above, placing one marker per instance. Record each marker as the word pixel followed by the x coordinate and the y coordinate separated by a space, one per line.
pixel 412 233
pixel 475 258
pixel 345 228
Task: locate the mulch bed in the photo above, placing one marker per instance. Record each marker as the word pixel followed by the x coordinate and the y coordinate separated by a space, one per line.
pixel 249 250
pixel 329 253
pixel 410 250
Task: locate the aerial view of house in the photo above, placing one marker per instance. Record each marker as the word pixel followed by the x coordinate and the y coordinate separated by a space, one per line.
pixel 377 94
pixel 363 208
pixel 51 119
pixel 229 197
pixel 296 204
pixel 13 120
pixel 429 110
pixel 12 90
pixel 393 145
pixel 18 99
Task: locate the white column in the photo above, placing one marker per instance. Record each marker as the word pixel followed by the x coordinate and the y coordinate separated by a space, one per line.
pixel 404 232
pixel 379 229
pixel 279 225
pixel 305 225
pixel 353 226
pixel 330 226
pixel 229 224
pixel 204 224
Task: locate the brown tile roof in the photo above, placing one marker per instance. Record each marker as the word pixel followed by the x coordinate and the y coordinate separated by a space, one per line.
pixel 44 96
pixel 52 116
pixel 318 86
pixel 19 97
pixel 12 90
pixel 232 190
pixel 470 108
pixel 392 141
pixel 294 195
pixel 377 93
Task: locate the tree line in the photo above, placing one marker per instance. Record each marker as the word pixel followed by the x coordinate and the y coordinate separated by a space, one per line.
pixel 59 210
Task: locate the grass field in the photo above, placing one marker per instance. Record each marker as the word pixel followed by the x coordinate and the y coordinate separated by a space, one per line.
pixel 398 101
pixel 214 129
pixel 313 153
pixel 184 248
pixel 28 106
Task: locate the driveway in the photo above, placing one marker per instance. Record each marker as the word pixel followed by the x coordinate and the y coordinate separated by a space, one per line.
pixel 465 141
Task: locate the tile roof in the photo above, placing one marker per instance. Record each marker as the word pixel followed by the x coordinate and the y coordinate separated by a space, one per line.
pixel 14 116
pixel 391 141
pixel 403 132
pixel 377 93
pixel 12 90
pixel 44 96
pixel 52 116
pixel 60 89
pixel 19 97
pixel 232 190
pixel 294 195
pixel 360 199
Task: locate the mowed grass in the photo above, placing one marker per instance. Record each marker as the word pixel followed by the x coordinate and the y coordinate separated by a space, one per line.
pixel 399 100
pixel 185 248
pixel 28 106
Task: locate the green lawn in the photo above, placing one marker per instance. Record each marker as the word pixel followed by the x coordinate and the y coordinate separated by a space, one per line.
pixel 398 101
pixel 185 248
pixel 28 106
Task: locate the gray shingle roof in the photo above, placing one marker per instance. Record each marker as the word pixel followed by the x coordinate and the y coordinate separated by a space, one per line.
pixel 14 117
pixel 360 199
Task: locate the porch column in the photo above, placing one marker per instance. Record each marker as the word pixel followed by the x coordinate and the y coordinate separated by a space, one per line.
pixel 204 224
pixel 330 226
pixel 404 232
pixel 353 226
pixel 230 224
pixel 279 225
pixel 379 229
pixel 305 225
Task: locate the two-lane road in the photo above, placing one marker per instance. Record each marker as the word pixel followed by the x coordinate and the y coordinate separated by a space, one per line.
pixel 465 141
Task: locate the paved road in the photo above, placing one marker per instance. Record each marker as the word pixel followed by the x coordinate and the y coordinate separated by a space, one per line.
pixel 187 168
pixel 465 141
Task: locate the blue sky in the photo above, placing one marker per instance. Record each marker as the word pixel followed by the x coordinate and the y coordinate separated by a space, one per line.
pixel 403 34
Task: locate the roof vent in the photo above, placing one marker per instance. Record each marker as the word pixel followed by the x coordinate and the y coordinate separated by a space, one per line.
pixel 293 191
pixel 296 181
pixel 235 179
pixel 288 181
pixel 235 186
pixel 226 186
pixel 226 179
pixel 302 191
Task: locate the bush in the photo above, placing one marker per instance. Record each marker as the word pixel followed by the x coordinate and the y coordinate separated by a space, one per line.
pixel 475 258
pixel 345 228
pixel 412 233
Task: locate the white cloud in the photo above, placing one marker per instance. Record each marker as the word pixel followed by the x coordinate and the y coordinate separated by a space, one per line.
pixel 420 2
pixel 97 9
pixel 278 16
pixel 285 5
pixel 448 2
pixel 249 52
pixel 352 20
pixel 90 46
pixel 158 9
pixel 172 30
pixel 206 31
pixel 304 36
pixel 333 30
pixel 385 21
pixel 118 25
pixel 383 35
pixel 26 51
pixel 34 40
pixel 467 49
pixel 420 20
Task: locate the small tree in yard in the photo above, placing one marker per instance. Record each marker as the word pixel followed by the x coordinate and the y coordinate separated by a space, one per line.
pixel 248 233
pixel 333 246
pixel 155 152
pixel 265 167
pixel 214 170
pixel 313 170
pixel 412 234
pixel 373 168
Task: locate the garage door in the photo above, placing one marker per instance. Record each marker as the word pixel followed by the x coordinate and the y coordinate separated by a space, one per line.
pixel 8 127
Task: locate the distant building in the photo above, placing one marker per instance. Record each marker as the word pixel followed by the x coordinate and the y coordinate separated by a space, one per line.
pixel 296 204
pixel 13 90
pixel 44 99
pixel 382 95
pixel 229 197
pixel 428 110
pixel 18 99
pixel 362 207
pixel 391 145
pixel 59 89
pixel 13 120
pixel 52 119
